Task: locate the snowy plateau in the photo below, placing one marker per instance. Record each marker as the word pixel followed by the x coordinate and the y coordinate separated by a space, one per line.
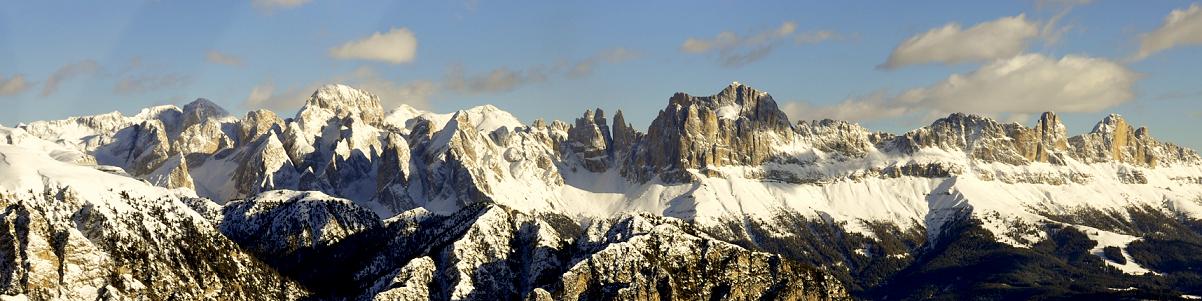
pixel 722 198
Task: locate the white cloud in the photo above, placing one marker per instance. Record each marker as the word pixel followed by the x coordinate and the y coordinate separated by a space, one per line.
pixel 269 5
pixel 997 39
pixel 67 72
pixel 217 57
pixel 1030 83
pixel 396 46
pixel 1014 88
pixel 735 50
pixel 1180 27
pixel 13 85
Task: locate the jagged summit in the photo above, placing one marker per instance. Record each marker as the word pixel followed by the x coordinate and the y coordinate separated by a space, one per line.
pixel 486 118
pixel 203 108
pixel 344 101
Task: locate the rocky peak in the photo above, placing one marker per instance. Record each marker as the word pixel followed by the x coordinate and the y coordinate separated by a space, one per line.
pixel 589 140
pixel 838 136
pixel 1113 123
pixel 1051 131
pixel 1113 139
pixel 258 123
pixel 737 126
pixel 979 137
pixel 149 148
pixel 266 167
pixel 344 101
pixel 623 136
pixel 1052 139
pixel 200 110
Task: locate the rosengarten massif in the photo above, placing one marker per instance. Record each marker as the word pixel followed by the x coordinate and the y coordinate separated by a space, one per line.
pixel 720 198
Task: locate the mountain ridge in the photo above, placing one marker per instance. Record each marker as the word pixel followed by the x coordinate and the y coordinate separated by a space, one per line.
pixel 728 169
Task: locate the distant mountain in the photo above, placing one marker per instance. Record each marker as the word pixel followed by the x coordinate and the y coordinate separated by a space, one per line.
pixel 722 197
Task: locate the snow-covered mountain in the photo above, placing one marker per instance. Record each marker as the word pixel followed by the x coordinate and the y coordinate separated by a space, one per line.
pixel 722 197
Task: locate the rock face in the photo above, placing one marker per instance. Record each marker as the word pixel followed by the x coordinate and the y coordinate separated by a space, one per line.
pixel 264 167
pixel 647 258
pixel 738 126
pixel 624 136
pixel 839 137
pixel 204 137
pixel 172 174
pixel 342 101
pixel 199 111
pixel 1053 139
pixel 92 235
pixel 257 123
pixel 590 140
pixel 289 228
pixel 141 148
pixel 979 137
pixel 488 251
pixel 1112 139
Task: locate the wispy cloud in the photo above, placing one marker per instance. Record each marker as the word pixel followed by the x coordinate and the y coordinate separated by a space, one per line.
pixel 1180 27
pixel 396 46
pixel 500 79
pixel 217 57
pixel 67 72
pixel 134 84
pixel 735 50
pixel 270 5
pixel 504 79
pixel 584 67
pixel 12 85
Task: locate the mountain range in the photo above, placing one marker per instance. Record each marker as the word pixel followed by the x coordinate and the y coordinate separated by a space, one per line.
pixel 722 197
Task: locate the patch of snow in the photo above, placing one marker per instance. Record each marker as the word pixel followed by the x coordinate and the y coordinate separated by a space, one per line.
pixel 1111 239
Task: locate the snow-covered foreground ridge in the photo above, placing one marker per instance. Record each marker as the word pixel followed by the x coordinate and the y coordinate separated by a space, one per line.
pixel 728 163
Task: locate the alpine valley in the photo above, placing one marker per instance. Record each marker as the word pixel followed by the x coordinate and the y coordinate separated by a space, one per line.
pixel 721 198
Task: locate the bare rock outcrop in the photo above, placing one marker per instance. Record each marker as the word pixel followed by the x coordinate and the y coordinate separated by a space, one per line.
pixel 737 126
pixel 1113 139
pixel 589 141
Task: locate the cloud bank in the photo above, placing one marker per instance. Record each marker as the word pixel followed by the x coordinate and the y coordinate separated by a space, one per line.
pixel 1024 84
pixel 1002 38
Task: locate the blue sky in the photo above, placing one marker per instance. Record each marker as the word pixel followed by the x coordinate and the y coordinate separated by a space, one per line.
pixel 555 59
